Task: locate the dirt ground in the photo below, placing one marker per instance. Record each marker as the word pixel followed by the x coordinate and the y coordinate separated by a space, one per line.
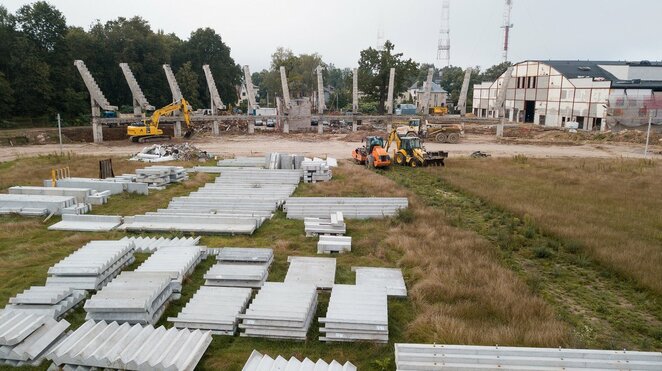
pixel 340 146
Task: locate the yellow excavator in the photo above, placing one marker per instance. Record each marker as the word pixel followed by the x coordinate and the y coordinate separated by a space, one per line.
pixel 149 131
pixel 409 151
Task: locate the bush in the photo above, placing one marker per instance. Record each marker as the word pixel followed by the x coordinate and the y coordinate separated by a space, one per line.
pixel 542 252
pixel 405 216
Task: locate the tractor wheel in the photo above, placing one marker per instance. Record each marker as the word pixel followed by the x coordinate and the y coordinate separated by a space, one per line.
pixel 411 134
pixel 453 138
pixel 400 159
pixel 415 163
pixel 440 138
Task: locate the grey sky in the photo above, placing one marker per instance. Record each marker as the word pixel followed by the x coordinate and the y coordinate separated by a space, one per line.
pixel 340 29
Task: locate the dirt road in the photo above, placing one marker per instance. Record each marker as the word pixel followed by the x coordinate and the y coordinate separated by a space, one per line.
pixel 335 146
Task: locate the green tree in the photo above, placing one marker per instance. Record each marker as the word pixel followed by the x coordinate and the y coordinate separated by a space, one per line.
pixel 493 73
pixel 6 97
pixel 43 24
pixel 188 83
pixel 374 70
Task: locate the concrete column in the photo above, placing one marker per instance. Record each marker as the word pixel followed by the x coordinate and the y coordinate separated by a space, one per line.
pixel 286 127
pixel 499 129
pixel 178 129
pixel 389 125
pixel 97 131
pixel 320 125
pixel 354 125
pixel 251 126
pixel 215 129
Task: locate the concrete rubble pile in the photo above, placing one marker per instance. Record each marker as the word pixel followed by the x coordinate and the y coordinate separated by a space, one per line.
pixel 320 272
pixel 180 261
pixel 91 266
pixel 26 338
pixel 280 311
pixel 215 309
pixel 151 244
pixel 356 313
pixel 52 301
pixel 83 195
pixel 102 345
pixel 87 223
pixel 238 202
pixel 133 297
pixel 390 278
pixel 351 207
pixel 171 152
pixel 335 225
pixel 39 205
pixel 409 357
pixel 334 244
pixel 240 267
pixel 259 362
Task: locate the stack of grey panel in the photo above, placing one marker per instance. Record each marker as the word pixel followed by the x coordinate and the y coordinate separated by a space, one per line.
pixel 133 297
pixel 240 267
pixel 161 175
pixel 390 278
pixel 115 185
pixel 316 170
pixel 321 272
pixel 52 301
pixel 31 205
pixel 87 223
pixel 356 313
pixel 409 357
pixel 334 244
pixel 335 225
pixel 26 338
pixel 214 308
pixel 180 261
pixel 280 311
pixel 102 345
pixel 91 266
pixel 242 162
pixel 83 195
pixel 262 362
pixel 351 207
pixel 151 244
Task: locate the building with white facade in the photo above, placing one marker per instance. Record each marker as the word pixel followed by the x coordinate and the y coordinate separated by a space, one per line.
pixel 416 92
pixel 595 94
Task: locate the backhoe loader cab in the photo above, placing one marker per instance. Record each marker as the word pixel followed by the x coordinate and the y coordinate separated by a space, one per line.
pixel 410 152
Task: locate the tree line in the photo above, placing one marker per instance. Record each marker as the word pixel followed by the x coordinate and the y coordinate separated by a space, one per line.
pixel 38 78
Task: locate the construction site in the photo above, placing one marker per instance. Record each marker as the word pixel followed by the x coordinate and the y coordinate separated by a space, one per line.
pixel 403 216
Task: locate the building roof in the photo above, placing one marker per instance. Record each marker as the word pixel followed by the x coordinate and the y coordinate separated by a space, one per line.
pixel 436 88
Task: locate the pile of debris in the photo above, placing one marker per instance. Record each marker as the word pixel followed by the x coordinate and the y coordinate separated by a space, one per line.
pixel 171 152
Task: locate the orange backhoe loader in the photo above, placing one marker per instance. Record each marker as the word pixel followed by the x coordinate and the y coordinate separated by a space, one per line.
pixel 372 154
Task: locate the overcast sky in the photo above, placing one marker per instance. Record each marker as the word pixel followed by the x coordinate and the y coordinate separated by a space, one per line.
pixel 340 29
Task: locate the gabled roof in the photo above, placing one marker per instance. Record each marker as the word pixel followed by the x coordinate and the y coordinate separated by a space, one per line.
pixel 583 69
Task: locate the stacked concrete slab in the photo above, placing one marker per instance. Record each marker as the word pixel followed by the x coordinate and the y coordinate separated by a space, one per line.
pixel 321 272
pixel 113 185
pixel 52 301
pixel 335 225
pixel 409 357
pixel 259 362
pixel 83 195
pixel 351 207
pixel 91 266
pixel 151 244
pixel 87 223
pixel 156 176
pixel 333 244
pixel 356 313
pixel 243 162
pixel 280 311
pixel 179 261
pixel 102 345
pixel 26 338
pixel 390 278
pixel 214 309
pixel 34 205
pixel 133 297
pixel 316 170
pixel 240 267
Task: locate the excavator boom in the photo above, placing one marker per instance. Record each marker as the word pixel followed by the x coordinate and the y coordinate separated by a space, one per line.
pixel 150 131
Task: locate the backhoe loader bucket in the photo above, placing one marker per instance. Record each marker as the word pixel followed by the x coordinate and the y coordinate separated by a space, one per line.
pixel 435 158
pixel 188 133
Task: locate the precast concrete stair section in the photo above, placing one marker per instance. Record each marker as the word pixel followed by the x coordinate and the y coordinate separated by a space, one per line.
pixel 25 337
pixel 151 244
pixel 262 362
pixel 180 261
pixel 52 301
pixel 36 204
pixel 240 267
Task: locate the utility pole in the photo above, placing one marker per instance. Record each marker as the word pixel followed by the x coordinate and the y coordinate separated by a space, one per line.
pixel 59 133
pixel 506 28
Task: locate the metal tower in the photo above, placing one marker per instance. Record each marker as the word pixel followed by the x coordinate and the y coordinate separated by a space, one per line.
pixel 506 28
pixel 444 45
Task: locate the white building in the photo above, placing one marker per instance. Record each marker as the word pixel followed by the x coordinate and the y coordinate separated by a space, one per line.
pixel 552 93
pixel 415 93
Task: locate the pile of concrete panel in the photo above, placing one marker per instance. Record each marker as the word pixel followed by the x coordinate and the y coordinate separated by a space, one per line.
pixel 157 176
pixel 334 244
pixel 115 185
pixel 335 225
pixel 238 202
pixel 91 266
pixel 240 267
pixel 242 162
pixel 151 244
pixel 87 223
pixel 356 313
pixel 262 362
pixel 180 261
pixel 409 357
pixel 26 338
pixel 83 195
pixel 351 207
pixel 391 278
pixel 321 272
pixel 36 205
pixel 52 301
pixel 316 170
pixel 215 309
pixel 102 345
pixel 280 311
pixel 133 297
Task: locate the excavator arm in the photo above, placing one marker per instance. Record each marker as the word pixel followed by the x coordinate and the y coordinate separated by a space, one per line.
pixel 181 105
pixel 393 137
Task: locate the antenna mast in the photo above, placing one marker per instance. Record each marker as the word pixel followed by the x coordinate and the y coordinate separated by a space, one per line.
pixel 444 45
pixel 506 28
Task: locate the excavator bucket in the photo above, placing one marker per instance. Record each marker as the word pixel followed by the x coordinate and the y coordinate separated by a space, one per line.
pixel 189 133
pixel 435 158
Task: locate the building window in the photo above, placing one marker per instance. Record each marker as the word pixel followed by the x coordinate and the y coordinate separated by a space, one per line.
pixel 541 119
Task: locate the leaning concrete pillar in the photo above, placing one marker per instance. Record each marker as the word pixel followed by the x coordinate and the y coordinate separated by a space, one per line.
pixel 251 127
pixel 215 130
pixel 178 129
pixel 499 129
